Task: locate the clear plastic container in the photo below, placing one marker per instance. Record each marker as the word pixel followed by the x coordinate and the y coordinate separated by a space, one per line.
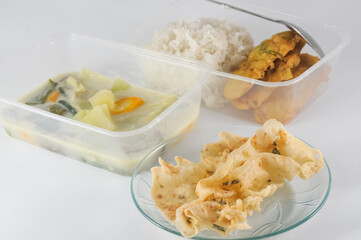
pixel 116 151
pixel 285 99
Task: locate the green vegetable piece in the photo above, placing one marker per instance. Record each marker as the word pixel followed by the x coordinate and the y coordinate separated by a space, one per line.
pixel 69 107
pixel 8 131
pixel 235 181
pixel 61 90
pixel 57 109
pixel 219 228
pixel 32 103
pixel 263 47
pixel 119 85
pixel 51 87
pixel 41 98
pixel 275 151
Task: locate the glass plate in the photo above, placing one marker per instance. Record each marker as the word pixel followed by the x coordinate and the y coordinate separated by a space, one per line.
pixel 291 205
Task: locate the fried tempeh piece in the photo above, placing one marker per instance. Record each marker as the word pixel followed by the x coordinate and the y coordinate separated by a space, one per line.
pixel 259 61
pixel 286 102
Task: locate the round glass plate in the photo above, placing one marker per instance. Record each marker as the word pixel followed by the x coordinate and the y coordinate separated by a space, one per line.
pixel 291 205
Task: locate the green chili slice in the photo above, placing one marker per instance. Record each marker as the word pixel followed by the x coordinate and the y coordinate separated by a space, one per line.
pixel 69 107
pixel 219 228
pixel 57 109
pixel 275 151
pixel 41 98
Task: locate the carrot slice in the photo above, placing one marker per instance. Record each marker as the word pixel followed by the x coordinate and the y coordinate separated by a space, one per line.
pixel 127 104
pixel 25 135
pixel 53 97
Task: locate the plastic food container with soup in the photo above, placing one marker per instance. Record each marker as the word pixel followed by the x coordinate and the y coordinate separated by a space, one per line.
pixel 117 151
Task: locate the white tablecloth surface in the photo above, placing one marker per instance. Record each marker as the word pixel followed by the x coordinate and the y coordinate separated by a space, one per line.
pixel 47 196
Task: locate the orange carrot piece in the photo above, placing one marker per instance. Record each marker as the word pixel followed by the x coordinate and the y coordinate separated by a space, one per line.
pixel 53 97
pixel 127 104
pixel 25 135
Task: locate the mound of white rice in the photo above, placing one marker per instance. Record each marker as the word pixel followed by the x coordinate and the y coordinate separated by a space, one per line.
pixel 219 43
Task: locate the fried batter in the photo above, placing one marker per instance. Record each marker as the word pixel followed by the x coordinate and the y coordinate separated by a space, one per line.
pixel 258 94
pixel 261 59
pixel 281 72
pixel 244 172
pixel 285 102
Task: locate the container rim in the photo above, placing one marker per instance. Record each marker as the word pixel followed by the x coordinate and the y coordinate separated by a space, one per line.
pixel 184 62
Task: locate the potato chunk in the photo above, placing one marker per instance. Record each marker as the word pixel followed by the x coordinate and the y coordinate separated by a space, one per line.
pixel 99 116
pixel 104 96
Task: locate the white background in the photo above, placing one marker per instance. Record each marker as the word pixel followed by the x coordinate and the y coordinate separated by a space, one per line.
pixel 47 196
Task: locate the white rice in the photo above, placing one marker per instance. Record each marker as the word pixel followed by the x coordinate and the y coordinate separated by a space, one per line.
pixel 219 43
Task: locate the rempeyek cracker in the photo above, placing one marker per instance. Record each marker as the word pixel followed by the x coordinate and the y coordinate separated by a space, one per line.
pixel 221 197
